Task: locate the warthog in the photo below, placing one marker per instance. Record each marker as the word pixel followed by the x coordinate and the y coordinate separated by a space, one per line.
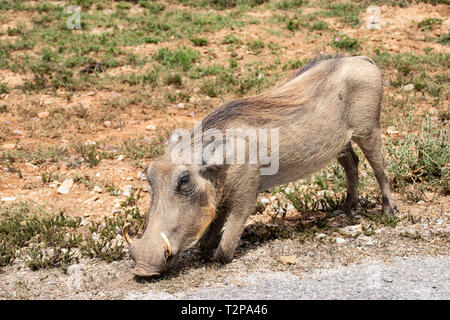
pixel 319 110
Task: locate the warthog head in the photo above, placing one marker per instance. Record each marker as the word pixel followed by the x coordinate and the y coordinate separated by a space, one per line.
pixel 183 206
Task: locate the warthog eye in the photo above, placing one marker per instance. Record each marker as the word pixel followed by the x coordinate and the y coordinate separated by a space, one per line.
pixel 184 182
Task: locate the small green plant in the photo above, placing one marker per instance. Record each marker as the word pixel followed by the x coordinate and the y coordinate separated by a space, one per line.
pixel 290 4
pixel 292 25
pixel 421 158
pixel 174 79
pixel 105 241
pixel 346 12
pixel 444 38
pixel 256 45
pixel 3 88
pixel 231 39
pixel 199 42
pixel 44 239
pixel 428 23
pixel 345 42
pixel 179 58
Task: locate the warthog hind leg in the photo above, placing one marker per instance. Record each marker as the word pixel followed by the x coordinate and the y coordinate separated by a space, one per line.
pixel 349 160
pixel 371 146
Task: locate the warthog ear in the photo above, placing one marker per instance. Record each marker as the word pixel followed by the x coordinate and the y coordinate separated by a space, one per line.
pixel 209 170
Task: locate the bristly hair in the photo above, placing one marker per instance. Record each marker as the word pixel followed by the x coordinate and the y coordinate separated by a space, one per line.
pixel 314 61
pixel 272 105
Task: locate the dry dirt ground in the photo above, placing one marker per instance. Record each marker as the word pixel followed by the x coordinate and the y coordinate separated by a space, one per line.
pixel 41 120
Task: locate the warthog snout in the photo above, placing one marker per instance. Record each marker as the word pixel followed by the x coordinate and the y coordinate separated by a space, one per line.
pixel 152 257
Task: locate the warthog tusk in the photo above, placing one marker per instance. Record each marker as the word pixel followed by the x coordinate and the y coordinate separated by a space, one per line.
pixel 166 244
pixel 125 233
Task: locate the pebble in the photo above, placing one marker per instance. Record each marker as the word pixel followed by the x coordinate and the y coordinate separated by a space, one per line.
pixel 54 184
pixel 43 115
pixel 288 259
pixel 265 201
pixel 9 146
pixel 352 231
pixel 76 276
pixel 150 127
pixel 180 106
pixel 18 132
pixel 367 240
pixel 89 143
pixel 121 157
pixel 107 124
pixel 408 87
pixel 320 235
pixel 98 189
pixel 340 241
pixel 84 222
pixel 141 176
pixel 191 114
pixel 392 131
pixel 207 98
pixel 127 190
pixel 65 187
pixel 7 199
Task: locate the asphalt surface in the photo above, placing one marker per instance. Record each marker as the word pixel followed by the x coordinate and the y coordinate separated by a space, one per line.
pixel 417 277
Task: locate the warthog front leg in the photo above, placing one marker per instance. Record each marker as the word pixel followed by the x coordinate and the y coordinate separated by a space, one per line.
pixel 240 210
pixel 211 238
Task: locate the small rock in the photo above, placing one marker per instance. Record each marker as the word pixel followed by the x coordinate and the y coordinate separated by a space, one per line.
pixel 180 106
pixel 191 114
pixel 367 240
pixel 289 190
pixel 340 241
pixel 127 190
pixel 43 115
pixel 89 143
pixel 76 276
pixel 141 176
pixel 320 235
pixel 65 187
pixel 18 132
pixel 107 124
pixel 84 222
pixel 54 184
pixel 260 76
pixel 9 146
pixel 8 199
pixel 98 189
pixel 352 231
pixel 290 207
pixel 150 127
pixel 408 87
pixel 288 259
pixel 121 157
pixel 392 131
pixel 265 201
pixel 433 111
pixel 207 98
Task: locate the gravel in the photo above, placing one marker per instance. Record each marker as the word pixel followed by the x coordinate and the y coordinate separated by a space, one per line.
pixel 417 277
